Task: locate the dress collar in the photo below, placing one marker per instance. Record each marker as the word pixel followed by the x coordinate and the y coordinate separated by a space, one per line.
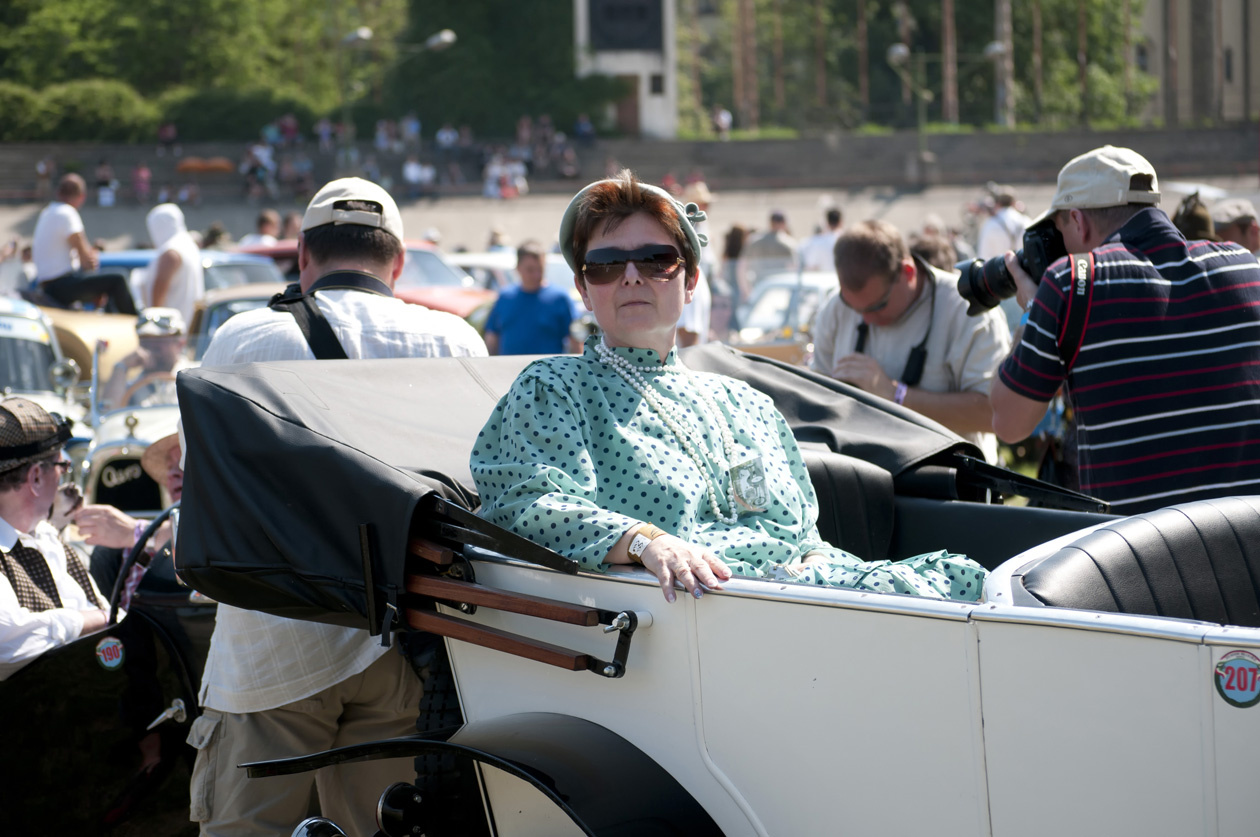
pixel 8 535
pixel 643 358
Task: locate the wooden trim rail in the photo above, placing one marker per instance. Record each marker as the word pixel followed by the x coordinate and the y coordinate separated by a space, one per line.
pixel 466 592
pixel 494 639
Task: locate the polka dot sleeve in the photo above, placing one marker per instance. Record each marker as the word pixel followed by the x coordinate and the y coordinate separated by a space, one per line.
pixel 535 473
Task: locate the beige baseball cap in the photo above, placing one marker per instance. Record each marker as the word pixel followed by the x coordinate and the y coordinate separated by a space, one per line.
pixel 1103 177
pixel 353 200
pixel 1231 210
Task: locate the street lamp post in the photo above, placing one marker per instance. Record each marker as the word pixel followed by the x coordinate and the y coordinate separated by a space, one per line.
pixel 921 168
pixel 361 37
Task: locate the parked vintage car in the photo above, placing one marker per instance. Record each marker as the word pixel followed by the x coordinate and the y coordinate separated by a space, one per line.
pixel 777 318
pixel 1106 684
pixel 31 361
pixel 427 279
pixel 223 269
pixel 217 307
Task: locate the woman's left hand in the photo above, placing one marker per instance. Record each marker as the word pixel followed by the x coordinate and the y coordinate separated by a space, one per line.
pixel 672 559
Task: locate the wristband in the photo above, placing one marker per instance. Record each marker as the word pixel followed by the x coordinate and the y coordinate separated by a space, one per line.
pixel 644 534
pixel 899 393
pixel 1023 318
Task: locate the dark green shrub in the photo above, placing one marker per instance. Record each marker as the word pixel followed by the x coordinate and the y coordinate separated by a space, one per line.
pixel 218 114
pixel 96 110
pixel 24 115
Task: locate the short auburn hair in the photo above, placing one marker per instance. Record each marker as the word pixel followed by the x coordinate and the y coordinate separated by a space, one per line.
pixel 868 250
pixel 611 201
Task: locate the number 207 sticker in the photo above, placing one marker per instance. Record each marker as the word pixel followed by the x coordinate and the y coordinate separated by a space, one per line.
pixel 1238 678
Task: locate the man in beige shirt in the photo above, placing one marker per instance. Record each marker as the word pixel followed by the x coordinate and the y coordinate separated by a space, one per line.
pixel 898 329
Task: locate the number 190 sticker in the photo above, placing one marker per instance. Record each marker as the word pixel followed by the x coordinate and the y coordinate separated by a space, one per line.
pixel 1238 678
pixel 110 653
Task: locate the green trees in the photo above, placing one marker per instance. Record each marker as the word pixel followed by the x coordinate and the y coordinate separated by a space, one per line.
pixel 837 48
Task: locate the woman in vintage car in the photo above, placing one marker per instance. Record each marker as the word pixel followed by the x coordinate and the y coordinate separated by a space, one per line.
pixel 625 455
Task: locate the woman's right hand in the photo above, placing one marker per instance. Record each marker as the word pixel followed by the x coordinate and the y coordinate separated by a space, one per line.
pixel 672 559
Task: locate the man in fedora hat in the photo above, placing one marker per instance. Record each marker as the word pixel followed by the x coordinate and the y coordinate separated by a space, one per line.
pixel 276 687
pixel 1161 361
pixel 47 598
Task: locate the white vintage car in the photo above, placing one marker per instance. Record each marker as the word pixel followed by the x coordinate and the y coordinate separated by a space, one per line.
pixel 1107 684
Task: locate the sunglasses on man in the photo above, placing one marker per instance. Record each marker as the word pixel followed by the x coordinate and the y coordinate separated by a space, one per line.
pixel 658 262
pixel 875 307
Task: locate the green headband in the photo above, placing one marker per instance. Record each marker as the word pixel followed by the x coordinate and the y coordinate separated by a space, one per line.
pixel 688 216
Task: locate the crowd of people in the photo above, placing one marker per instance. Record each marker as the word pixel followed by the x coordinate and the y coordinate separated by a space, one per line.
pixel 1158 375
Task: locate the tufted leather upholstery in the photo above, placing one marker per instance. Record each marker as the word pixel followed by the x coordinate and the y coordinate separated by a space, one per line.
pixel 1198 560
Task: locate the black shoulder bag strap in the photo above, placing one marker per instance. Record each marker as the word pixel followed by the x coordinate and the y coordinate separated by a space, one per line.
pixel 310 319
pixel 1080 300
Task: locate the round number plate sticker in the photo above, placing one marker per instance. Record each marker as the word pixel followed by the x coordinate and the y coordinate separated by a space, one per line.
pixel 1238 678
pixel 109 653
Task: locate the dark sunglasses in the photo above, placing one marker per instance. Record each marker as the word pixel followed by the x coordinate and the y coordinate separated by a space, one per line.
pixel 658 262
pixel 875 307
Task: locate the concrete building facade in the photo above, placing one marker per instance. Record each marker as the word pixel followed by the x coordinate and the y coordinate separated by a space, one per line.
pixel 633 40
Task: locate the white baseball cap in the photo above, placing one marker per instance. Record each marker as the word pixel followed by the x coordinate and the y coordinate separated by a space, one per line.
pixel 1101 178
pixel 1230 210
pixel 353 200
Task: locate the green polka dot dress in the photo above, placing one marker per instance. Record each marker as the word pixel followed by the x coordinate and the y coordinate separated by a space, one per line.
pixel 573 456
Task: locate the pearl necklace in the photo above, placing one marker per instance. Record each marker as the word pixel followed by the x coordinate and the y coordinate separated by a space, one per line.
pixel 673 418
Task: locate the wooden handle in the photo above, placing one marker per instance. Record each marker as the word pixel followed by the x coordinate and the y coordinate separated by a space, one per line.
pixel 467 592
pixel 530 649
pixel 430 551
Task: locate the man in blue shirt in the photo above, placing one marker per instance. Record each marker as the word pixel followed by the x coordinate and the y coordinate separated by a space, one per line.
pixel 531 318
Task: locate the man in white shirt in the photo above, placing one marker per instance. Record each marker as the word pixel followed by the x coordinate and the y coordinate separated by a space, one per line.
pixel 266 228
pixel 276 687
pixel 1005 229
pixel 819 250
pixel 47 598
pixel 62 254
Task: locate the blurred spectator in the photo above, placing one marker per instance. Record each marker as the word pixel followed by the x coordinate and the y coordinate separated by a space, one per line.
pixel 141 180
pixel 290 131
pixel 105 183
pixel 670 184
pixel 532 318
pixel 447 140
pixel 371 169
pixel 584 130
pixel 773 251
pixel 524 130
pixel 432 235
pixel 409 130
pixel 45 171
pixel 216 237
pixel 568 166
pixel 162 336
pixel 492 178
pixel 12 282
pixel 175 278
pixel 383 139
pixel 419 177
pixel 933 224
pixel 818 251
pixel 303 175
pixel 1192 219
pixel 1235 220
pixel 498 242
pixel 1005 229
pixel 734 281
pixel 292 224
pixel 271 135
pixel 721 121
pixel 266 228
pixel 935 250
pixel 324 133
pixel 168 139
pixel 189 194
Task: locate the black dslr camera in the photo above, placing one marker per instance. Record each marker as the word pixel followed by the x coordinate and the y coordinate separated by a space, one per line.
pixel 985 284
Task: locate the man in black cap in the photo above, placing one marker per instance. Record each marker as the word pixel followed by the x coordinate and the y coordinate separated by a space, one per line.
pixel 47 598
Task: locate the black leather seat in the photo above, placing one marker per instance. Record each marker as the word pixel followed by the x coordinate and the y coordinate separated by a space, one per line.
pixel 855 503
pixel 1198 560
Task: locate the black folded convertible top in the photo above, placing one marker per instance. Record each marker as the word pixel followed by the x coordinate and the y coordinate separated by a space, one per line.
pixel 285 462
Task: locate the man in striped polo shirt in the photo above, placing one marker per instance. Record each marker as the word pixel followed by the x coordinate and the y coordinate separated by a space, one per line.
pixel 1166 382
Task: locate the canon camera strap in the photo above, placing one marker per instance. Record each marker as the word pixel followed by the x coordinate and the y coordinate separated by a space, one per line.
pixel 1080 300
pixel 311 320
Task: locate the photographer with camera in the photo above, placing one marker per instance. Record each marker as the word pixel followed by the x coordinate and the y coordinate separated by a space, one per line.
pixel 1156 340
pixel 898 329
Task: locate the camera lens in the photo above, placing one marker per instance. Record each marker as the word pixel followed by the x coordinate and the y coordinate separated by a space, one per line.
pixel 985 284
